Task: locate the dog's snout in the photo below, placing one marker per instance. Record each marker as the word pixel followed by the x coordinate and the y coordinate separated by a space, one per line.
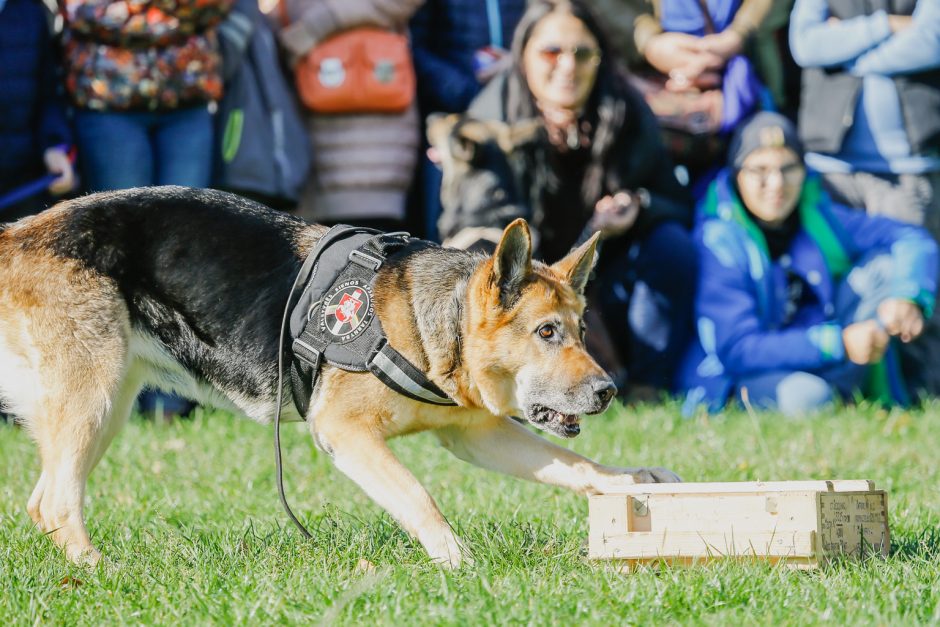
pixel 604 390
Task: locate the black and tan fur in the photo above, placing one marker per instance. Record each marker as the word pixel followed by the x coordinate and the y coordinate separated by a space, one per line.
pixel 184 289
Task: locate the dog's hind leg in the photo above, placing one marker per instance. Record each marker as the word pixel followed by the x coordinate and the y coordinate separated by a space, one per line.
pixel 501 444
pixel 363 456
pixel 64 370
pixel 74 427
pixel 120 410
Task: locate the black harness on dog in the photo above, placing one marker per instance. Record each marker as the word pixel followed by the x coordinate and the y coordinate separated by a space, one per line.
pixel 332 318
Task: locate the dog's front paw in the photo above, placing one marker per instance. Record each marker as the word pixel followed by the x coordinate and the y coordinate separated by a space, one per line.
pixel 451 553
pixel 655 475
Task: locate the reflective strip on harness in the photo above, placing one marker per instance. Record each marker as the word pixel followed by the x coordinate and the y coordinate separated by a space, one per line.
pixel 393 369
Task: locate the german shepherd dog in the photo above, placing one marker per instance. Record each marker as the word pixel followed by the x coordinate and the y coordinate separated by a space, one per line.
pixel 185 289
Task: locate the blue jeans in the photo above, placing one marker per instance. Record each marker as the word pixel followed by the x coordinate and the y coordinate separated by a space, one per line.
pixel 797 393
pixel 125 149
pixel 646 297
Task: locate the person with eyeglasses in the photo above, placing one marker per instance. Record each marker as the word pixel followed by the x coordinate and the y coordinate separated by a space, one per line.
pixel 801 299
pixel 597 164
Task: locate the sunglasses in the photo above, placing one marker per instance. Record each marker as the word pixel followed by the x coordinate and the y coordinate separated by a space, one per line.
pixel 582 55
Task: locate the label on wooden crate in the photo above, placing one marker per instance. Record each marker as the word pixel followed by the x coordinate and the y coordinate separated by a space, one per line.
pixel 853 523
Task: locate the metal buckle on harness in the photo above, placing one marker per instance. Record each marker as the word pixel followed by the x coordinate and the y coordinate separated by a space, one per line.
pixel 366 261
pixel 306 352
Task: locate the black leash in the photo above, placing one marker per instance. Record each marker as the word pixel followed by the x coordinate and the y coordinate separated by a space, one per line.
pixel 279 470
pixel 301 278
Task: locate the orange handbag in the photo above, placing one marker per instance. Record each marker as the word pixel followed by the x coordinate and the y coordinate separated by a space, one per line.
pixel 362 70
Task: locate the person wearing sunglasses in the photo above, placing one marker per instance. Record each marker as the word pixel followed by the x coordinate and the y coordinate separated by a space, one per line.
pixel 596 164
pixel 800 299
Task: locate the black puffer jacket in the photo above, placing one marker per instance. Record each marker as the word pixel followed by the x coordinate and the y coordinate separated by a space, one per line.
pixel 32 114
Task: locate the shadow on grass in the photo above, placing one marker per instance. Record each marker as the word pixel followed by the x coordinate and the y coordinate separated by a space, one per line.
pixel 916 544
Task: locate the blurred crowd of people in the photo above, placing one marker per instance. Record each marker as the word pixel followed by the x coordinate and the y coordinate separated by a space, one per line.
pixel 765 175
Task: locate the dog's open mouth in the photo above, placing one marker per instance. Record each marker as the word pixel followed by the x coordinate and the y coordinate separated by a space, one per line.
pixel 564 425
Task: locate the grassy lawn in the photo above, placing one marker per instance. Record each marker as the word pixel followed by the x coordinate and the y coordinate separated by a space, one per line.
pixel 189 514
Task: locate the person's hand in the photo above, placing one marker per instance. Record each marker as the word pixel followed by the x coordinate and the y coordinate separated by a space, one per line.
pixel 669 51
pixel 725 44
pixel 899 22
pixel 614 215
pixel 693 77
pixel 901 318
pixel 58 162
pixel 865 342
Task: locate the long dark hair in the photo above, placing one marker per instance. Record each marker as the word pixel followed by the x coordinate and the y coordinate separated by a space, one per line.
pixel 607 104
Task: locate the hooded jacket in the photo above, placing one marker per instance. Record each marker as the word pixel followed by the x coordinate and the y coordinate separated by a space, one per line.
pixel 739 305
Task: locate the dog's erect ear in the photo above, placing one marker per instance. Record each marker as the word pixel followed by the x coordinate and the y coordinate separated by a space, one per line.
pixel 577 265
pixel 512 261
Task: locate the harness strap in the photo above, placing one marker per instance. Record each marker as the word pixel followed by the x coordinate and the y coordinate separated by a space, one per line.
pixel 399 374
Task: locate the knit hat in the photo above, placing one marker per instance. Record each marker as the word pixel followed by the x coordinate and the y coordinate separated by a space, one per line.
pixel 764 129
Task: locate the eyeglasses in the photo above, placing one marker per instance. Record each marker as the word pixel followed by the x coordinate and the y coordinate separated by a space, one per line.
pixel 582 55
pixel 790 173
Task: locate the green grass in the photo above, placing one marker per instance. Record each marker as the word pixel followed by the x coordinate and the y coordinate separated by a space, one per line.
pixel 189 514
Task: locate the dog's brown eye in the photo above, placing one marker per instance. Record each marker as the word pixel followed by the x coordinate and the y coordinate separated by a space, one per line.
pixel 546 331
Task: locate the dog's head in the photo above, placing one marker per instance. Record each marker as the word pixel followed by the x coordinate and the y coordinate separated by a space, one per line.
pixel 525 347
pixel 475 158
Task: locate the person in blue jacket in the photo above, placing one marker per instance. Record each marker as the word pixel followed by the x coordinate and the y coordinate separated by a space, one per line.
pixel 800 299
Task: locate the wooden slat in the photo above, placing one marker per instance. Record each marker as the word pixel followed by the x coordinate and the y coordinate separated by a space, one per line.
pixel 836 485
pixel 608 514
pixel 629 565
pixel 780 511
pixel 706 544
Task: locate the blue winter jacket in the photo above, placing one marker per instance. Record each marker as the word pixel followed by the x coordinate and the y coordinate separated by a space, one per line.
pixel 32 114
pixel 444 36
pixel 739 305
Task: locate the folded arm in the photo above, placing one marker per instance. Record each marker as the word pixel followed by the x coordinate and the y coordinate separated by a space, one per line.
pixel 914 49
pixel 815 41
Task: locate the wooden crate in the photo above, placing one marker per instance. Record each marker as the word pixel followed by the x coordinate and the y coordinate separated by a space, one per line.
pixel 800 523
